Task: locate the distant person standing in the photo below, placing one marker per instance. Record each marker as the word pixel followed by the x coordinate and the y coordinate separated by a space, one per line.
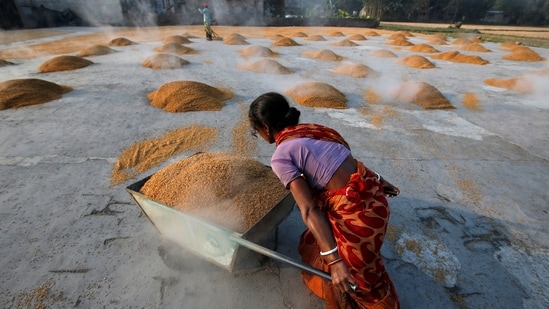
pixel 207 21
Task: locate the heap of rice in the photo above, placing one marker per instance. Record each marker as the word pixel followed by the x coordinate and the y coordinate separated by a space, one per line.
pixel 475 47
pixel 357 70
pixel 144 155
pixel 177 39
pixel 422 94
pixel 371 33
pixel 227 189
pixel 300 35
pixel 265 66
pixel 17 93
pixel 4 63
pixel 462 41
pixel 397 36
pixel 96 50
pixel 518 84
pixel 423 48
pixel 257 51
pixel 285 42
pixel 121 42
pixel 336 33
pixel 357 37
pixel 455 56
pixel 189 35
pixel 316 37
pixel 324 54
pixel 400 42
pixel 63 63
pixel 344 42
pixel 317 94
pixel 235 39
pixel 186 96
pixel 523 54
pixel 416 61
pixel 437 42
pixel 382 53
pixel 175 48
pixel 162 61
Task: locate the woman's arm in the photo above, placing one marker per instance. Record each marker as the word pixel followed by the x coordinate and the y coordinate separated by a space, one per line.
pixel 318 224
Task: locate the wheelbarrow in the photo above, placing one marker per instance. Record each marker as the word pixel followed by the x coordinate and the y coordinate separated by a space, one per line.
pixel 212 242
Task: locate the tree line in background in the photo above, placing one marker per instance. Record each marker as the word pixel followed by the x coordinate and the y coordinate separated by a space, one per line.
pixel 515 12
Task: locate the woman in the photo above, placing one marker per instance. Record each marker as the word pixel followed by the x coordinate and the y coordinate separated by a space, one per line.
pixel 342 203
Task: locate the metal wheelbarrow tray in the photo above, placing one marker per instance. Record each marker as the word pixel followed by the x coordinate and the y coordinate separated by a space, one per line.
pixel 212 242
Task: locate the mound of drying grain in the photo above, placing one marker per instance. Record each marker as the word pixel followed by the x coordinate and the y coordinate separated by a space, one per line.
pixel 523 54
pixel 189 35
pixel 423 48
pixel 285 42
pixel 455 56
pixel 163 61
pixel 357 37
pixel 226 189
pixel 436 42
pixel 265 66
pixel 17 93
pixel 4 63
pixel 257 51
pixel 96 50
pixel 357 70
pixel 397 36
pixel 177 39
pixel 63 63
pixel 422 94
pixel 344 43
pixel 144 155
pixel 400 42
pixel 382 53
pixel 336 33
pixel 324 54
pixel 475 47
pixel 462 41
pixel 121 42
pixel 175 48
pixel 187 96
pixel 317 94
pixel 235 39
pixel 315 37
pixel 524 84
pixel 416 61
pixel 371 33
pixel 300 35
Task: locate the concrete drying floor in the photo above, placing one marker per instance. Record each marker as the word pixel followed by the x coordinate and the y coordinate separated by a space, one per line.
pixel 470 229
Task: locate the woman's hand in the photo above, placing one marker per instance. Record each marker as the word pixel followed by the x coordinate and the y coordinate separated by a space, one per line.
pixel 341 278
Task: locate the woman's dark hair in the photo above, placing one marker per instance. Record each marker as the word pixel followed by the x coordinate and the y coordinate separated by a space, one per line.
pixel 272 109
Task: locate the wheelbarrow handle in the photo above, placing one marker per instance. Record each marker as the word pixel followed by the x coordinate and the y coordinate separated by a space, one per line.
pixel 280 257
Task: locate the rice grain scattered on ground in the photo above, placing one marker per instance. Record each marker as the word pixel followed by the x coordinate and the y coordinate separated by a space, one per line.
pixel 144 155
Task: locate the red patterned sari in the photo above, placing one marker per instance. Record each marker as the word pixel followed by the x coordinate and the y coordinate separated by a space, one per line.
pixel 358 214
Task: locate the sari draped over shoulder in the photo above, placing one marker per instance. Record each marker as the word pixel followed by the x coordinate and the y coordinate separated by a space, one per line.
pixel 358 214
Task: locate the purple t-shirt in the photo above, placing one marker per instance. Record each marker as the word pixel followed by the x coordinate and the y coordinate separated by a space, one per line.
pixel 317 160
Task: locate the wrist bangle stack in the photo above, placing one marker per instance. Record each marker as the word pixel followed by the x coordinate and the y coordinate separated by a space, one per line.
pixel 324 253
pixel 335 261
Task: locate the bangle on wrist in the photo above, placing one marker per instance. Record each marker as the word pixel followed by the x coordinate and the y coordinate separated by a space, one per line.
pixel 335 261
pixel 324 253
